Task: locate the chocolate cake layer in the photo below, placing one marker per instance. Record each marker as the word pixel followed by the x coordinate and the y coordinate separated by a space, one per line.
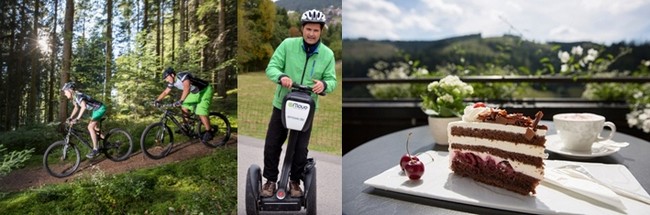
pixel 498 135
pixel 513 181
pixel 526 159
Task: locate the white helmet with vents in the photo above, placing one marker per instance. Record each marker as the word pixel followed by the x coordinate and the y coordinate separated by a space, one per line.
pixel 313 16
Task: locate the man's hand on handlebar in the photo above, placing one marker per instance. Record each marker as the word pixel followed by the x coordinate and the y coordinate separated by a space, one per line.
pixel 286 82
pixel 156 103
pixel 319 87
pixel 71 121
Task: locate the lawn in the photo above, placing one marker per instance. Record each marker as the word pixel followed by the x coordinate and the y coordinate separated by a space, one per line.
pixel 255 105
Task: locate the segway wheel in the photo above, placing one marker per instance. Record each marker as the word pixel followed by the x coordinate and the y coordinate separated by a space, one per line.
pixel 253 188
pixel 311 194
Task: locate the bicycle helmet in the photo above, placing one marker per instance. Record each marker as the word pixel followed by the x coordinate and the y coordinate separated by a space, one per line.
pixel 168 72
pixel 69 85
pixel 313 16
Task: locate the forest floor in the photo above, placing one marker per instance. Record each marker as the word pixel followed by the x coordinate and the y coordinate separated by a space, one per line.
pixel 37 176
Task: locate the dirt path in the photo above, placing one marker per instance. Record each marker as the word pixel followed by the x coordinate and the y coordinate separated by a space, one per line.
pixel 37 176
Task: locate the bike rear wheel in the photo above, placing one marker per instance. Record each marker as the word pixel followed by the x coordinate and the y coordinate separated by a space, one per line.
pixel 156 141
pixel 117 145
pixel 61 159
pixel 221 130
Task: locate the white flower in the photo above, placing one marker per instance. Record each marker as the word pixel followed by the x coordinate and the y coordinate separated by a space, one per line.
pixel 447 98
pixel 632 122
pixel 592 54
pixel 564 56
pixel 432 85
pixel 646 126
pixel 576 50
pixel 468 89
pixel 643 116
pixel 646 62
pixel 564 68
pixel 456 91
pixel 638 95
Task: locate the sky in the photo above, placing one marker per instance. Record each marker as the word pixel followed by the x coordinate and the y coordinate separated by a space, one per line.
pixel 599 21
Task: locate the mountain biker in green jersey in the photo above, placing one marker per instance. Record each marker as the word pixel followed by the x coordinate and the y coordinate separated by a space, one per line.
pixel 195 92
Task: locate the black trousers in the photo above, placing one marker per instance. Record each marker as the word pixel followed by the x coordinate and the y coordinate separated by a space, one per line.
pixel 276 134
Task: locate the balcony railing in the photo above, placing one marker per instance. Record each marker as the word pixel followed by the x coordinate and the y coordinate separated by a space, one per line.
pixel 367 118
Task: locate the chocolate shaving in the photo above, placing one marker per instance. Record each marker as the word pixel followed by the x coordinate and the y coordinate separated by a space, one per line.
pixel 538 116
pixel 517 119
pixel 529 134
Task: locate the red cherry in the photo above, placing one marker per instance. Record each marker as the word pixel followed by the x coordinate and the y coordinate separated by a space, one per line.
pixel 479 104
pixel 405 159
pixel 414 169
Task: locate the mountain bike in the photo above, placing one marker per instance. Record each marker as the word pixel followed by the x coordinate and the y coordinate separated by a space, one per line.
pixel 158 139
pixel 62 158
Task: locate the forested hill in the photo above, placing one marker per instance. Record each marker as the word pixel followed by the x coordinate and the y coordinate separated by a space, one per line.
pixel 475 50
pixel 302 5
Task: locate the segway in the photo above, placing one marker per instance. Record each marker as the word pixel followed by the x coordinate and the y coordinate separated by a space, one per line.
pixel 297 115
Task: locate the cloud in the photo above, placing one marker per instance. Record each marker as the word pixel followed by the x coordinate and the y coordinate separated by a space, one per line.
pixel 540 20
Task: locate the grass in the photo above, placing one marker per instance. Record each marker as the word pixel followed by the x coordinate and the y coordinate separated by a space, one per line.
pixel 201 185
pixel 255 105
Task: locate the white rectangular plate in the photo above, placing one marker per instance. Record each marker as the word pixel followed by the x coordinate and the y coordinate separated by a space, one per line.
pixel 438 182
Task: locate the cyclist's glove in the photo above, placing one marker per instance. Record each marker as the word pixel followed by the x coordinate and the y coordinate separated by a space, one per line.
pixel 156 103
pixel 178 103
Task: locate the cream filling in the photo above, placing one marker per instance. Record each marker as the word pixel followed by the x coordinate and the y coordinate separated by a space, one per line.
pixel 493 126
pixel 532 150
pixel 517 166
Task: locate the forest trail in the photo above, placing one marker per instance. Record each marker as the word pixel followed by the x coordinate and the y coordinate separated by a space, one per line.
pixel 36 176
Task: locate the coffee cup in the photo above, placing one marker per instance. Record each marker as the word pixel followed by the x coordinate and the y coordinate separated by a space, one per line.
pixel 579 131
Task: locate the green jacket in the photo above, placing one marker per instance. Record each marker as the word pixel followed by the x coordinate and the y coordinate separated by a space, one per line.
pixel 290 59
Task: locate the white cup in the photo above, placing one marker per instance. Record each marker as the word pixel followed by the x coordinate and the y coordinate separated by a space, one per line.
pixel 579 131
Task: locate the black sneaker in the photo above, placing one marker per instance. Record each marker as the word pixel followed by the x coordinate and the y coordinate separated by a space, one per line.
pixel 207 136
pixel 92 154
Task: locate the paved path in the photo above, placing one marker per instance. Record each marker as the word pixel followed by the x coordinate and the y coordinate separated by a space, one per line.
pixel 250 151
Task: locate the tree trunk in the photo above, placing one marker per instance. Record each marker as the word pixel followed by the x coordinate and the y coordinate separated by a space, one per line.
pixel 162 32
pixel 53 49
pixel 145 19
pixel 9 90
pixel 67 55
pixel 221 50
pixel 18 83
pixel 109 53
pixel 145 22
pixel 34 86
pixel 158 4
pixel 174 10
pixel 183 32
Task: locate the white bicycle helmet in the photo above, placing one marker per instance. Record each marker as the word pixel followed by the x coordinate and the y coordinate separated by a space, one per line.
pixel 69 85
pixel 313 16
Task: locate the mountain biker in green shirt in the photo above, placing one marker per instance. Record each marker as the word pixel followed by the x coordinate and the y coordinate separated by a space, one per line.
pixel 195 92
pixel 85 102
pixel 307 61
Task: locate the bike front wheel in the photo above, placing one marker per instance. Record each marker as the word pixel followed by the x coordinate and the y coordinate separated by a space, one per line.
pixel 117 145
pixel 221 130
pixel 61 159
pixel 156 141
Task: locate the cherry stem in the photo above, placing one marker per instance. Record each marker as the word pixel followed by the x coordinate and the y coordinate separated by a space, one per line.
pixel 407 144
pixel 428 155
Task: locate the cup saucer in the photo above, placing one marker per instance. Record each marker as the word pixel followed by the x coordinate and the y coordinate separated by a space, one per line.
pixel 599 149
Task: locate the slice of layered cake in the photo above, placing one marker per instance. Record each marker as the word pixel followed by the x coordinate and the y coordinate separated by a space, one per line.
pixel 500 149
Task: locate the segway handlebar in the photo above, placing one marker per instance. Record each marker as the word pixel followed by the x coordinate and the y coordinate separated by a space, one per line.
pixel 304 88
